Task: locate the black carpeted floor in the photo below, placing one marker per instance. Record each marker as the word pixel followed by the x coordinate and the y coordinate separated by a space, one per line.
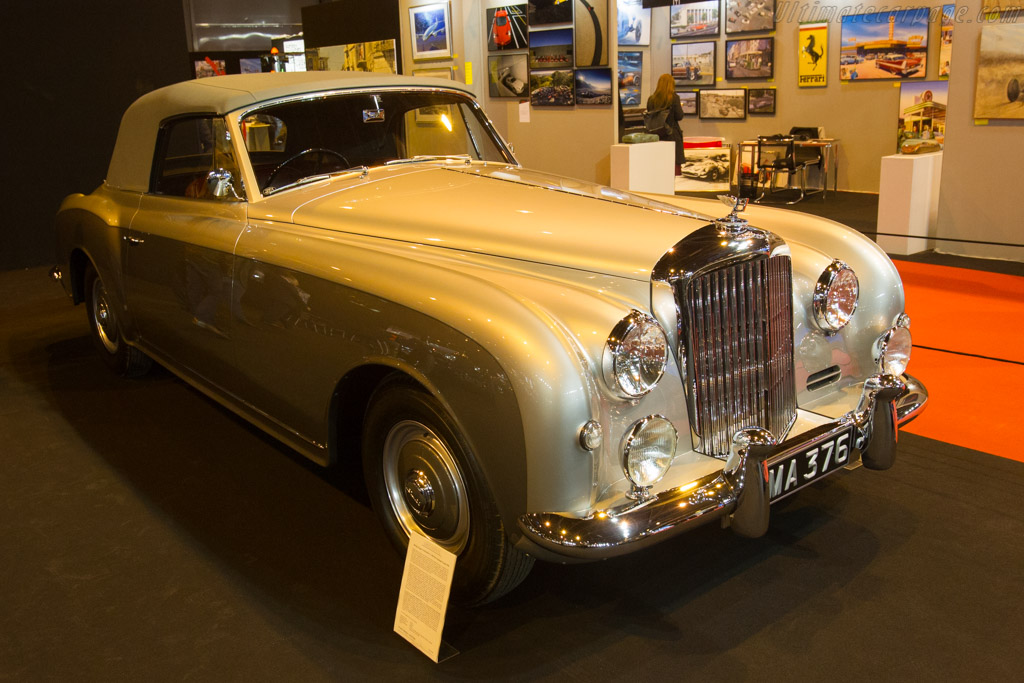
pixel 147 534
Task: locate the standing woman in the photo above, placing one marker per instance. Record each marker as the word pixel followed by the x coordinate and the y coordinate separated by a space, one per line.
pixel 665 97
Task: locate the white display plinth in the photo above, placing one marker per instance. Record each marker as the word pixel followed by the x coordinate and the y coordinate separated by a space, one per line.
pixel 644 167
pixel 908 202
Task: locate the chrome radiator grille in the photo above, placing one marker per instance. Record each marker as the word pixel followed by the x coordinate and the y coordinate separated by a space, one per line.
pixel 740 351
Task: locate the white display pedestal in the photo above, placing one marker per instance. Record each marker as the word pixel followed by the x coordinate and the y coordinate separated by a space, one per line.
pixel 644 167
pixel 908 202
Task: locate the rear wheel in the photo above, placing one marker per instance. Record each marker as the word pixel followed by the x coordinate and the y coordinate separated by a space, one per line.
pixel 105 330
pixel 422 478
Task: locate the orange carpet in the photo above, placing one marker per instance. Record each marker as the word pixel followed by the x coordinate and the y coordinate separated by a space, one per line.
pixel 968 329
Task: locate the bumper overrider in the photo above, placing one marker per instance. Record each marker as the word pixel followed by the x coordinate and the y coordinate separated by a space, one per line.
pixel 742 492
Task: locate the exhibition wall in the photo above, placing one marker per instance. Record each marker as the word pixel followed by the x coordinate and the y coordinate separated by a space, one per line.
pixel 977 185
pixel 982 179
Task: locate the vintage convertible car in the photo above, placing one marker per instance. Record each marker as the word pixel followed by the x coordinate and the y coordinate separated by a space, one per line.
pixel 525 366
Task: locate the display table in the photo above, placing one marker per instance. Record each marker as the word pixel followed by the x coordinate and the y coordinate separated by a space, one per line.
pixel 644 167
pixel 908 202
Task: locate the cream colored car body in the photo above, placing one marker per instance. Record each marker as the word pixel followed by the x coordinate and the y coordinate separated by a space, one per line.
pixel 492 286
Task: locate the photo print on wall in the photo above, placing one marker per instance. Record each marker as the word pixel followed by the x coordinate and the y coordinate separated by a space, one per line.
pixel 593 86
pixel 946 39
pixel 688 100
pixel 884 45
pixel 761 101
pixel 723 104
pixel 694 19
pixel 551 88
pixel 508 75
pixel 506 28
pixel 813 56
pixel 693 64
pixel 631 67
pixel 591 32
pixel 634 23
pixel 922 112
pixel 543 12
pixel 551 49
pixel 999 87
pixel 745 16
pixel 429 26
pixel 750 58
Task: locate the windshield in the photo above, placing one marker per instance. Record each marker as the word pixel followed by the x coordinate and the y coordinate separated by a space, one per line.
pixel 294 141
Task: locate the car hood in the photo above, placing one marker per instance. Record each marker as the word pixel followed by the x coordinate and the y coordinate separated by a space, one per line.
pixel 497 210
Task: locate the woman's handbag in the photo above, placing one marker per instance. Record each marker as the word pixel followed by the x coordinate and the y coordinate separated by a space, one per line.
pixel 656 122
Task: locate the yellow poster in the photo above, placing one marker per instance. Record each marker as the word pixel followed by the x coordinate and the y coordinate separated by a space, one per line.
pixel 813 55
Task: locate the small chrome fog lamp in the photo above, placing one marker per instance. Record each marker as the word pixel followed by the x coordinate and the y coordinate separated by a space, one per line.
pixel 892 350
pixel 648 451
pixel 635 355
pixel 835 297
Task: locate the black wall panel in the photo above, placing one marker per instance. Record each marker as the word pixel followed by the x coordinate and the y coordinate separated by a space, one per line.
pixel 72 69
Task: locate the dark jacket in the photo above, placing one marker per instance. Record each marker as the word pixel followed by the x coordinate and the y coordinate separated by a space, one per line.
pixel 675 115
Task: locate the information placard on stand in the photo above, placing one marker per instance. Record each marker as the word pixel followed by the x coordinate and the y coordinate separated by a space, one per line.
pixel 423 597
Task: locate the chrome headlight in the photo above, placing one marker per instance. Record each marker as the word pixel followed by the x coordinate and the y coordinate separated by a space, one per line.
pixel 648 450
pixel 892 350
pixel 635 355
pixel 835 297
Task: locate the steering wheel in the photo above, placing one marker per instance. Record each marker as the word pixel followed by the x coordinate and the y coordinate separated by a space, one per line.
pixel 316 169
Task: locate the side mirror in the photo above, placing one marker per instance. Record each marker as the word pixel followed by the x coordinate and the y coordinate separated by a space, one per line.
pixel 220 184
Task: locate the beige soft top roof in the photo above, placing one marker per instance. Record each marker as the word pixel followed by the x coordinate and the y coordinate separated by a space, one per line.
pixel 132 160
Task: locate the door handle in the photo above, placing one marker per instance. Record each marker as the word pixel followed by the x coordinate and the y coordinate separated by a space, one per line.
pixel 135 240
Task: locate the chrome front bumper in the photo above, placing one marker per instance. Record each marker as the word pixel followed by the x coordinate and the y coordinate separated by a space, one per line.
pixel 739 493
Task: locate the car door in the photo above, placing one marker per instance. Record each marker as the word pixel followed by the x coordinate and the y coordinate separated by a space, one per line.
pixel 178 261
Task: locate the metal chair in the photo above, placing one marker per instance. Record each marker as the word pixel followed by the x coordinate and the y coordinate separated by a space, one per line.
pixel 776 155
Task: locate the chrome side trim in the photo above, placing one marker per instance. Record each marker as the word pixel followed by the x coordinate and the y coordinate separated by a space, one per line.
pixel 738 493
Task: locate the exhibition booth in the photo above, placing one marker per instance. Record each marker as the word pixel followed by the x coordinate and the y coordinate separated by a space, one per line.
pixel 390 369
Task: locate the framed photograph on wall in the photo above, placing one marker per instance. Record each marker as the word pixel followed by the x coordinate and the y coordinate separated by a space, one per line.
pixel 429 26
pixel 999 85
pixel 812 62
pixel 688 100
pixel 508 76
pixel 593 86
pixel 631 69
pixel 751 58
pixel 591 32
pixel 761 101
pixel 884 45
pixel 693 64
pixel 745 16
pixel 543 12
pixel 722 104
pixel 436 72
pixel 551 88
pixel 922 112
pixel 634 23
pixel 694 19
pixel 946 40
pixel 506 28
pixel 551 49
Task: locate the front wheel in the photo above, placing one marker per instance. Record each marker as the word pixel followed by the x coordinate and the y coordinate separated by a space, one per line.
pixel 105 330
pixel 422 478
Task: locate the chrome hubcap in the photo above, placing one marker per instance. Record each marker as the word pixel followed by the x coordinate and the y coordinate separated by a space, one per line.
pixel 103 318
pixel 425 486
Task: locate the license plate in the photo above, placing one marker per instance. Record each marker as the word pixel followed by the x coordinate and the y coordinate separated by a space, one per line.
pixel 791 471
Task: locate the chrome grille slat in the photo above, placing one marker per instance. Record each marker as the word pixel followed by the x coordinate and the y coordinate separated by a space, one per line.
pixel 740 342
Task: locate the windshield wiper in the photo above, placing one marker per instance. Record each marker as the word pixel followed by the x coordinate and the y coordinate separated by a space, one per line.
pixel 355 171
pixel 431 157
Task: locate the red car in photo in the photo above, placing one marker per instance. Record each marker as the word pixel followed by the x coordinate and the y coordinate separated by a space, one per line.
pixel 500 28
